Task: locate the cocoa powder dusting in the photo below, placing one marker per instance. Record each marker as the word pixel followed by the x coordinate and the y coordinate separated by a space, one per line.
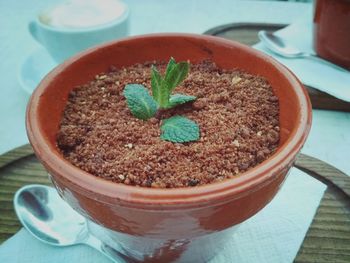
pixel 238 116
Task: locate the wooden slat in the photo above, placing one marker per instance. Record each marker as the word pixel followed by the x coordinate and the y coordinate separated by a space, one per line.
pixel 324 172
pixel 17 168
pixel 16 154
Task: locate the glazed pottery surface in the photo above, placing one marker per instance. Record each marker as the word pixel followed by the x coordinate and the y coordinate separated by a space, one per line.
pixel 332 30
pixel 183 224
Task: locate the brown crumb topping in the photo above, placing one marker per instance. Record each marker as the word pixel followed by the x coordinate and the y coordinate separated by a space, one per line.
pixel 238 116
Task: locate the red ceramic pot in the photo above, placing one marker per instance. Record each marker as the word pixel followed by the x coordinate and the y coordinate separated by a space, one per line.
pixel 332 31
pixel 184 224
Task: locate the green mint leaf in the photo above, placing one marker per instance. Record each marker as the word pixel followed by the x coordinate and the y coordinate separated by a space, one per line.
pixel 170 65
pixel 176 75
pixel 156 83
pixel 178 99
pixel 179 129
pixel 160 92
pixel 140 103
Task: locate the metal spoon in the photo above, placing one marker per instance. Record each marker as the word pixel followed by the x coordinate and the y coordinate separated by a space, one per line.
pixel 280 47
pixel 48 218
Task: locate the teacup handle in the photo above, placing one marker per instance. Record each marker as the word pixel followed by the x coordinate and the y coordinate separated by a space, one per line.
pixel 33 30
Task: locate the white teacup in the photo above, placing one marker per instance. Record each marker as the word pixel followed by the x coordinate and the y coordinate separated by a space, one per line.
pixel 64 41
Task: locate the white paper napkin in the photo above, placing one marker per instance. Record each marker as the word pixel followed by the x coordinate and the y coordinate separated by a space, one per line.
pixel 273 235
pixel 310 72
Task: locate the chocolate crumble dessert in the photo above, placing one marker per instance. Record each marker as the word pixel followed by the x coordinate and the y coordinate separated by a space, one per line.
pixel 237 112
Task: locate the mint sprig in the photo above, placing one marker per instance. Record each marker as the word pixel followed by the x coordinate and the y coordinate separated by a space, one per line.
pixel 178 99
pixel 144 106
pixel 170 65
pixel 179 129
pixel 160 91
pixel 140 103
pixel 162 86
pixel 177 73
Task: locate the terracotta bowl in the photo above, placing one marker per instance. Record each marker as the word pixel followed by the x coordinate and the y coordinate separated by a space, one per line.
pixel 184 224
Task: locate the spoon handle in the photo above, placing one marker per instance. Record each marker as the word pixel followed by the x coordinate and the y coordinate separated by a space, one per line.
pixel 326 62
pixel 106 250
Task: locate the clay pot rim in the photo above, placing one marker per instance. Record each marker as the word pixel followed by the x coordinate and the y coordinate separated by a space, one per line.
pixel 110 192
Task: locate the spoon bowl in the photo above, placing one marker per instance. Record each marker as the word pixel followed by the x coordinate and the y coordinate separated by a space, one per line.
pixel 48 218
pixel 280 47
pixel 43 213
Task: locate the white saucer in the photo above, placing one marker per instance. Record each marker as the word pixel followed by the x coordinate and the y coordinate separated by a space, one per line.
pixel 34 68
